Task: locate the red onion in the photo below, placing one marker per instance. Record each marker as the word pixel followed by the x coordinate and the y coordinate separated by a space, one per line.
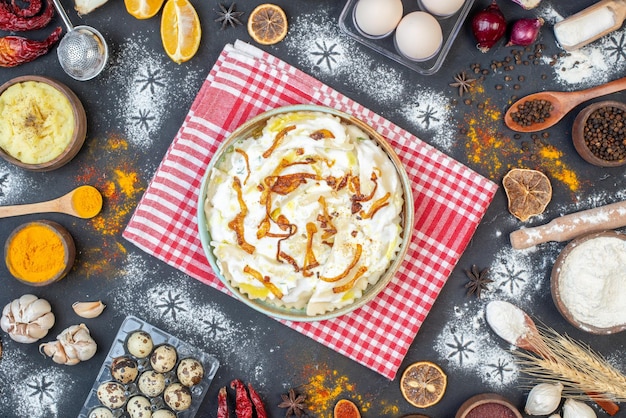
pixel 527 4
pixel 488 26
pixel 525 31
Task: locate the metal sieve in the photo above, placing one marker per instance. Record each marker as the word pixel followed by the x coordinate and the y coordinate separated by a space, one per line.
pixel 82 52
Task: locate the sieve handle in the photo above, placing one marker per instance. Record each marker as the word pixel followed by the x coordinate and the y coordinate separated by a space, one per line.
pixel 61 12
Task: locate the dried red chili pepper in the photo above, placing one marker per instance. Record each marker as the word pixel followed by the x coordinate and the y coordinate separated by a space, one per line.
pixel 12 22
pixel 16 50
pixel 222 406
pixel 258 402
pixel 34 7
pixel 243 405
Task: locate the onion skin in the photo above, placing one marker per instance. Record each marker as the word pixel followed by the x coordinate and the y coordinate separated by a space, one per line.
pixel 525 31
pixel 527 4
pixel 488 27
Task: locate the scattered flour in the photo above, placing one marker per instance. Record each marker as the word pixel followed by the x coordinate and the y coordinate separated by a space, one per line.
pixel 326 53
pixel 14 182
pixel 144 80
pixel 175 307
pixel 31 391
pixel 467 345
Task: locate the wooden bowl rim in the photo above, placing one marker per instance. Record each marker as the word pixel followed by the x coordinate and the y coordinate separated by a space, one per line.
pixel 482 399
pixel 578 137
pixel 554 283
pixel 80 125
pixel 69 247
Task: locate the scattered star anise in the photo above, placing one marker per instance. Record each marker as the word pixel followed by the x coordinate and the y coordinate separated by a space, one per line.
pixel 462 82
pixel 228 16
pixel 294 404
pixel 478 281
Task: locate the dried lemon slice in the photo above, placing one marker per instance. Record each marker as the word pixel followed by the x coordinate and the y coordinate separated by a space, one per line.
pixel 267 24
pixel 143 9
pixel 180 30
pixel 528 192
pixel 423 384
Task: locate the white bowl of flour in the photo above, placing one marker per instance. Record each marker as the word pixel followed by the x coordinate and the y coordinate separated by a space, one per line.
pixel 588 282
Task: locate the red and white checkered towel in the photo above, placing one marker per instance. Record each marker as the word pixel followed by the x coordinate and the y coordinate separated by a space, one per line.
pixel 450 200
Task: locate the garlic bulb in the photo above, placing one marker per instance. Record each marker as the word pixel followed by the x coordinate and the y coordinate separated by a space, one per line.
pixel 576 409
pixel 88 309
pixel 27 319
pixel 72 346
pixel 544 398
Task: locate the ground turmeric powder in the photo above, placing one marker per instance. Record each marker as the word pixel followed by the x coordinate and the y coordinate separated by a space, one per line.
pixel 87 201
pixel 35 253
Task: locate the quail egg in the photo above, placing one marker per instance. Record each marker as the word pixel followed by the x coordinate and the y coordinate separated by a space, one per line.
pixel 151 383
pixel 111 394
pixel 139 344
pixel 163 413
pixel 177 397
pixel 139 407
pixel 124 369
pixel 163 358
pixel 101 412
pixel 190 372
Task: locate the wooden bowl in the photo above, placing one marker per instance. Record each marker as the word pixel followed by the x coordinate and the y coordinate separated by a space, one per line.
pixel 79 129
pixel 555 277
pixel 578 136
pixel 68 256
pixel 488 400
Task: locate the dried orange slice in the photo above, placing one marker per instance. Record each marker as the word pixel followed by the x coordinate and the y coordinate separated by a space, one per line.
pixel 423 384
pixel 528 192
pixel 180 30
pixel 346 409
pixel 143 9
pixel 267 24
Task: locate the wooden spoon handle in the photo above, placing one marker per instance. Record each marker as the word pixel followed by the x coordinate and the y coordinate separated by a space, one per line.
pixel 41 207
pixel 602 90
pixel 570 226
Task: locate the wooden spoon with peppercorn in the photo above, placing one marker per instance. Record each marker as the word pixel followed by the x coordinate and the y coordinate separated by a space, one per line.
pixel 539 111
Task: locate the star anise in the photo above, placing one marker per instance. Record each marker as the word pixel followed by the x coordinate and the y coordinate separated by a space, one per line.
pixel 462 82
pixel 228 16
pixel 294 404
pixel 478 281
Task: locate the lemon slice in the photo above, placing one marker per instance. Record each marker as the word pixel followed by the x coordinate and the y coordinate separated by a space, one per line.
pixel 267 24
pixel 180 30
pixel 423 384
pixel 143 9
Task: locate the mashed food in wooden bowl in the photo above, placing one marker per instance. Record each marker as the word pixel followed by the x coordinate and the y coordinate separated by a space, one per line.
pixel 42 123
pixel 305 213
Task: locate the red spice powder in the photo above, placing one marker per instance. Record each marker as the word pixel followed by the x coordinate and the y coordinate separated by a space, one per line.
pixel 345 410
pixel 491 410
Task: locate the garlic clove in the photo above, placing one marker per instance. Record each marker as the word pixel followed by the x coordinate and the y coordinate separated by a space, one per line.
pixel 36 309
pixel 543 399
pixel 84 7
pixel 554 416
pixel 577 409
pixel 88 309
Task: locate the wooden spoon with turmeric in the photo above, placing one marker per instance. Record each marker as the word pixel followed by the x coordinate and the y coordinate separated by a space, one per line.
pixel 83 202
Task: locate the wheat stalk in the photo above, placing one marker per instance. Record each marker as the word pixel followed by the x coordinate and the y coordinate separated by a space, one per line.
pixel 580 369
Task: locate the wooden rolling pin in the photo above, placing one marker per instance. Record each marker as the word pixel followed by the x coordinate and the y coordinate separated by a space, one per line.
pixel 570 226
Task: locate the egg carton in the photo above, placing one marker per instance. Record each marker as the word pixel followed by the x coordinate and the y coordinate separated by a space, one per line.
pixel 450 27
pixel 184 350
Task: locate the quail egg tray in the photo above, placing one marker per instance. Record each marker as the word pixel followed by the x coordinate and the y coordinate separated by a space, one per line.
pixel 184 350
pixel 450 26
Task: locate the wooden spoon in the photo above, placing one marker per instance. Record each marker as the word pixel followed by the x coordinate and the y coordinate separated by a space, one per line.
pixel 63 204
pixel 563 102
pixel 531 340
